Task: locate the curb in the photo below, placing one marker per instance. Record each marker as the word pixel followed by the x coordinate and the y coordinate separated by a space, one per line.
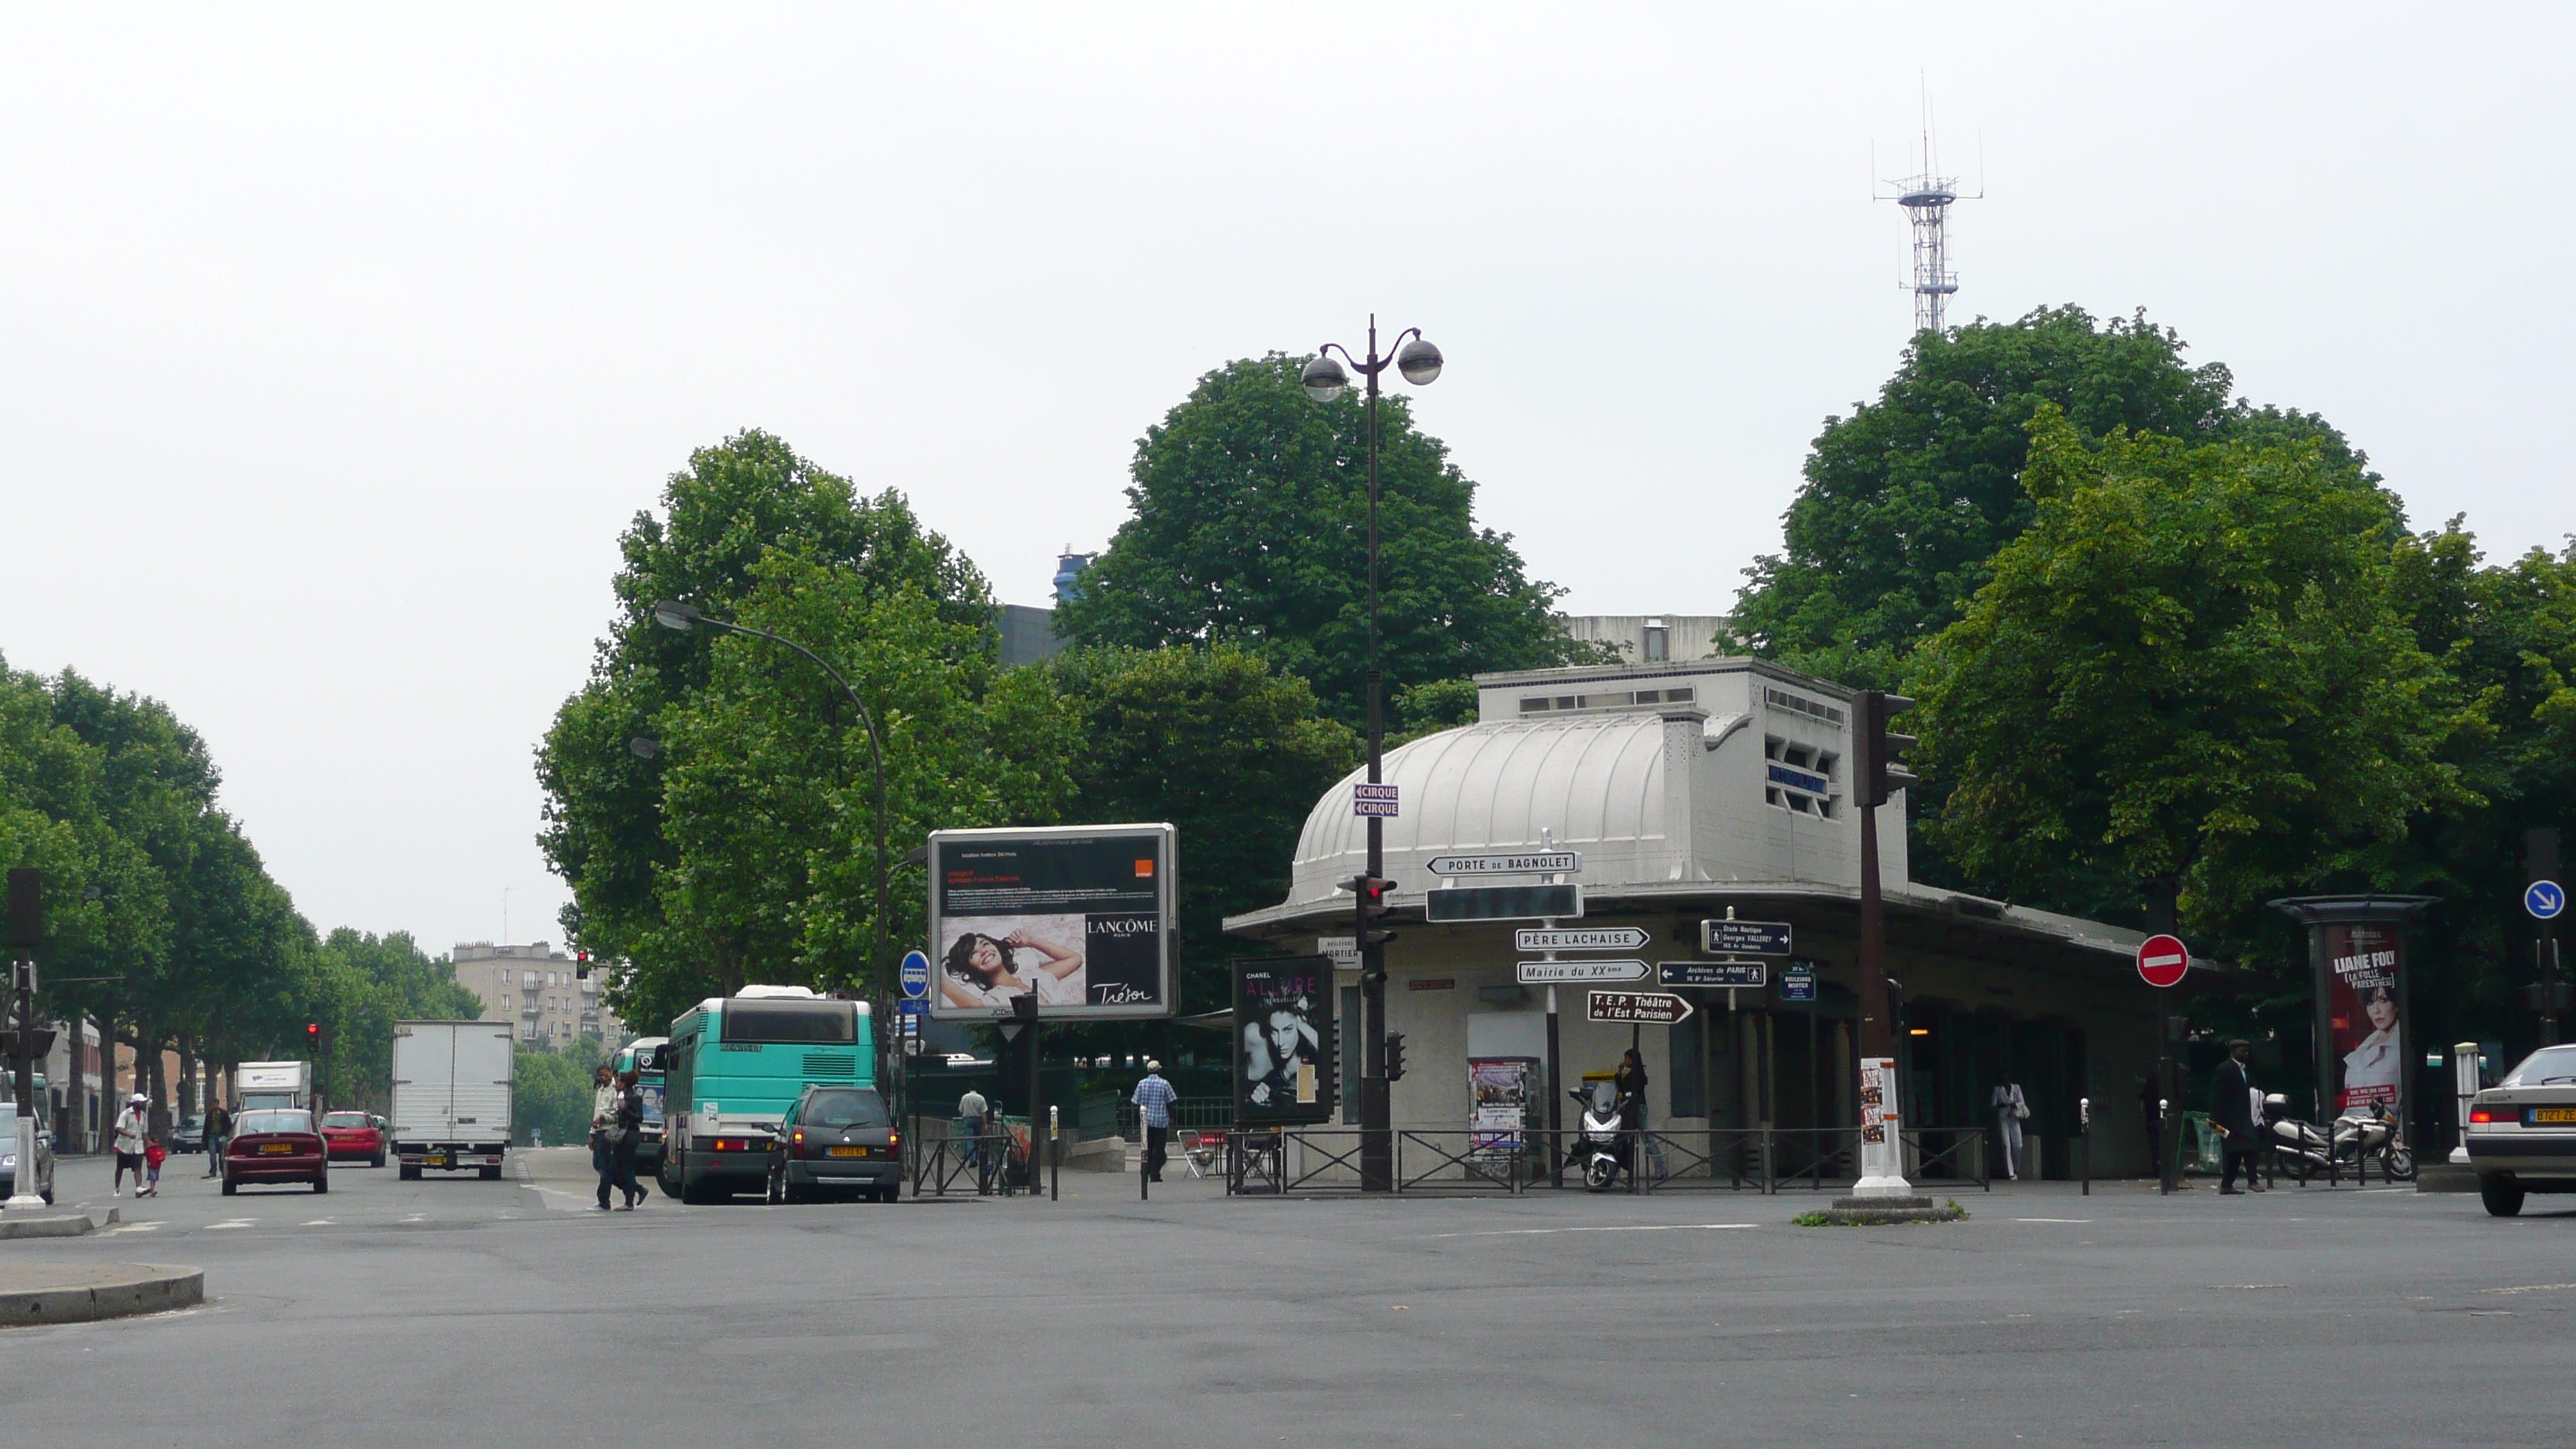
pixel 64 1225
pixel 140 1288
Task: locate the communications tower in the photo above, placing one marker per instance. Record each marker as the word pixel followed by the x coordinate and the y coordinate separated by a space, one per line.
pixel 1926 197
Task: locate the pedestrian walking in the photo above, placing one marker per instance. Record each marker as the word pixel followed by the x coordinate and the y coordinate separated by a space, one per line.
pixel 2231 1107
pixel 129 1135
pixel 1154 1098
pixel 154 1154
pixel 603 1114
pixel 2011 1110
pixel 970 1123
pixel 219 1130
pixel 625 1125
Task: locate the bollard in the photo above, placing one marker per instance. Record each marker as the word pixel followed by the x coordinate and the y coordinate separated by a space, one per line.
pixel 2084 1126
pixel 1055 1156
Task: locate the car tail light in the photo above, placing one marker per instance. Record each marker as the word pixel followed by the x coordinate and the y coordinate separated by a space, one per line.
pixel 894 1139
pixel 2494 1114
pixel 798 1138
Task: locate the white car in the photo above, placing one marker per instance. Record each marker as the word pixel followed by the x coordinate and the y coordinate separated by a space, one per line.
pixel 2522 1131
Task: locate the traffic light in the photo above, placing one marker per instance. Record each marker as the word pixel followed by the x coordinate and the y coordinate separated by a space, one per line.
pixel 1376 898
pixel 581 965
pixel 1395 1056
pixel 1878 771
pixel 313 1038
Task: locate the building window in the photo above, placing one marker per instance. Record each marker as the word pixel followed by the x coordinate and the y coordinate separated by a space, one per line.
pixel 1658 643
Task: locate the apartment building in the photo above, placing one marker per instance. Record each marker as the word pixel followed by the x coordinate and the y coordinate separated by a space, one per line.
pixel 539 989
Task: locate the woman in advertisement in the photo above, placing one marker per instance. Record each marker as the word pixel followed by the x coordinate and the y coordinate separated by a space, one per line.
pixel 1279 1050
pixel 976 972
pixel 2373 1070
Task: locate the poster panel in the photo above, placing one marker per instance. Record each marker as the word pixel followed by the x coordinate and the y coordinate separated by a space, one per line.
pixel 1283 1041
pixel 1498 1090
pixel 1080 915
pixel 2363 987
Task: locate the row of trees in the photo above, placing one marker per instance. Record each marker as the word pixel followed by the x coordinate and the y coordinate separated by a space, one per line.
pixel 163 928
pixel 1215 680
pixel 2178 654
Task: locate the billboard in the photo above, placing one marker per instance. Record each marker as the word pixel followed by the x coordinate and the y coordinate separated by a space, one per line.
pixel 1283 1041
pixel 1079 915
pixel 2363 990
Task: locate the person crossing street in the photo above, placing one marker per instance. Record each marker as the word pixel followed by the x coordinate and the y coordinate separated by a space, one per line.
pixel 1154 1098
pixel 2231 1106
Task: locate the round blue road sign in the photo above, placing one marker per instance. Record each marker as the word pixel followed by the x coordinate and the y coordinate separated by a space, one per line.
pixel 2546 899
pixel 916 974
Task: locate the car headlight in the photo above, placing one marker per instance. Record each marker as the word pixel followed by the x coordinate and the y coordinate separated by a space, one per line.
pixel 9 1161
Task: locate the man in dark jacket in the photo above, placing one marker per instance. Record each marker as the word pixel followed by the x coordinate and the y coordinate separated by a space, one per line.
pixel 2231 1106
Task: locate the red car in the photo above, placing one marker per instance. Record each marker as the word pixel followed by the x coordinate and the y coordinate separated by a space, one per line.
pixel 276 1145
pixel 354 1134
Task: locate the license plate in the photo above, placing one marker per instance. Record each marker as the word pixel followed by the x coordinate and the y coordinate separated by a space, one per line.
pixel 436 1160
pixel 845 1152
pixel 2540 1115
pixel 277 1147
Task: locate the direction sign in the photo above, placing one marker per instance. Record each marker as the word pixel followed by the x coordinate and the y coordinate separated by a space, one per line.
pixel 1562 902
pixel 2546 900
pixel 1798 981
pixel 1596 938
pixel 915 974
pixel 1549 973
pixel 1377 800
pixel 1744 938
pixel 1345 951
pixel 1713 973
pixel 2162 960
pixel 1648 1008
pixel 1545 862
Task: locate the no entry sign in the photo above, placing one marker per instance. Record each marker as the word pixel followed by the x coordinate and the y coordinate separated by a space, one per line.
pixel 2162 960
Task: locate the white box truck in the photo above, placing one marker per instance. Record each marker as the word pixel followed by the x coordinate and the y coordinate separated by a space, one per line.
pixel 272 1084
pixel 452 1083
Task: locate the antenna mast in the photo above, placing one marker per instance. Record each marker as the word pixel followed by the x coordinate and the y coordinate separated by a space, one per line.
pixel 1926 197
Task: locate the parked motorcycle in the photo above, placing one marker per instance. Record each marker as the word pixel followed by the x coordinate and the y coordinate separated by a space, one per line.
pixel 2367 1136
pixel 1599 1147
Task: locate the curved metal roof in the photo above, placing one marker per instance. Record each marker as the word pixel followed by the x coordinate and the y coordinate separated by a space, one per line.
pixel 1594 783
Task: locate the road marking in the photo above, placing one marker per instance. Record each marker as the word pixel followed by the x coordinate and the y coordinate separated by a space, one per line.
pixel 417 1218
pixel 318 1223
pixel 2249 1285
pixel 2052 1220
pixel 1624 1228
pixel 235 1223
pixel 2533 1288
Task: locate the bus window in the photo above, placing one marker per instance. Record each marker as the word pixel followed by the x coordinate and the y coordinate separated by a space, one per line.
pixel 830 1022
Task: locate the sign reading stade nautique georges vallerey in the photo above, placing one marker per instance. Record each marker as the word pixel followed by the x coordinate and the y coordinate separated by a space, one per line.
pixel 1081 915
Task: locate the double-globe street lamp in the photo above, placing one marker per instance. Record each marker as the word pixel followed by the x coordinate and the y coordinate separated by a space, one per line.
pixel 684 617
pixel 1325 380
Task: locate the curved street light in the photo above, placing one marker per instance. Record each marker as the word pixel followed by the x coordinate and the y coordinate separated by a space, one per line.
pixel 673 615
pixel 1325 380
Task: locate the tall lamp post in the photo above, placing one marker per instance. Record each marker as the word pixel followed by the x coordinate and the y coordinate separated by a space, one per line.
pixel 1325 380
pixel 684 617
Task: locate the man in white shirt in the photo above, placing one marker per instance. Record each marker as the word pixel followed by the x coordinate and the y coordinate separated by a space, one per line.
pixel 130 1130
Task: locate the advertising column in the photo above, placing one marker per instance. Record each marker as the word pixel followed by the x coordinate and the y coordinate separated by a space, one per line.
pixel 2357 956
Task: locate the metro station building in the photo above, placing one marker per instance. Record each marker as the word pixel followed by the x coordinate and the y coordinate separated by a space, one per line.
pixel 1689 788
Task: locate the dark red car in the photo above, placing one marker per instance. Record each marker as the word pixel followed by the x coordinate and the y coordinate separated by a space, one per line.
pixel 354 1134
pixel 276 1145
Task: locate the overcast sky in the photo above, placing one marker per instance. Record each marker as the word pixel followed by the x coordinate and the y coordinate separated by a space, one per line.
pixel 337 344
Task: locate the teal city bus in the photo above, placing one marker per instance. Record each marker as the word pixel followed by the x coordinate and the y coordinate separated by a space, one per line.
pixel 732 1068
pixel 643 1057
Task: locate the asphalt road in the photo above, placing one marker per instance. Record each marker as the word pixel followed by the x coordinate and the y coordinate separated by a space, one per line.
pixel 453 1311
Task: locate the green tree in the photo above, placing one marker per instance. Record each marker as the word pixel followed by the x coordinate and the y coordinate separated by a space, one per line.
pixel 746 850
pixel 1228 750
pixel 1251 529
pixel 1907 501
pixel 550 1091
pixel 2192 672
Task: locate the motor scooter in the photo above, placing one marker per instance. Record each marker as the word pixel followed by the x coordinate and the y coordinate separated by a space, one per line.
pixel 2349 1141
pixel 1599 1146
